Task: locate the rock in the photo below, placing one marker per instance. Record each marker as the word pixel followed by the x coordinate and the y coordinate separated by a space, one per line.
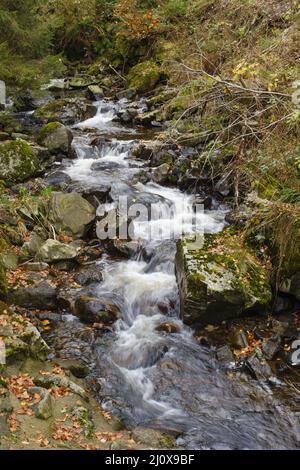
pixel 259 368
pixel 95 310
pixel 168 328
pixel 4 429
pixel 37 266
pixel 4 136
pixel 123 247
pixel 59 381
pixel 56 137
pixel 25 339
pixel 160 173
pixel 89 276
pixel 8 123
pixel 271 346
pixel 205 201
pixel 32 246
pixel 41 296
pixel 67 111
pixel 6 217
pixel 20 136
pixel 10 260
pixel 24 101
pixel 53 250
pixel 224 355
pixel 94 92
pixel 44 409
pixel 144 76
pixel 129 94
pixel 71 214
pixel 18 162
pixel 238 339
pixel 58 179
pixel 58 84
pixel 219 279
pixel 148 118
pixel 152 438
pixel 6 405
pixel 161 157
pixel 79 371
pixel 82 81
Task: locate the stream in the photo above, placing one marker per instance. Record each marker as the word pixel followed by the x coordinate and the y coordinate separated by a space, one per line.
pixel 146 376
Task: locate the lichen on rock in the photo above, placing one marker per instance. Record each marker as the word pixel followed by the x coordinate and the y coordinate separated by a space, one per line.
pixel 220 280
pixel 144 76
pixel 18 161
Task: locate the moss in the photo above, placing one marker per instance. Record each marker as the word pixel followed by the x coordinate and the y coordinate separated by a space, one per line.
pixel 50 110
pixel 8 123
pixel 46 130
pixel 144 76
pixel 17 161
pixel 222 278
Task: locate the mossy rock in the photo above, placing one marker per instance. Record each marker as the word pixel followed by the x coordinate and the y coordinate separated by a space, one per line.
pixel 220 278
pixel 56 137
pixel 18 162
pixel 71 213
pixel 67 111
pixel 8 123
pixel 144 76
pixel 49 111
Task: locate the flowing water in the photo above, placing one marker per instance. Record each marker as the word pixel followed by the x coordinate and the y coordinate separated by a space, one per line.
pixel 148 377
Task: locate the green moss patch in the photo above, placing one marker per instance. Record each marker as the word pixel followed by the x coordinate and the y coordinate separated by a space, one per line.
pixel 17 162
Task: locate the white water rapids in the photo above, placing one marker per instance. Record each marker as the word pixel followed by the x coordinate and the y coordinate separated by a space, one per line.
pixel 162 380
pixel 140 286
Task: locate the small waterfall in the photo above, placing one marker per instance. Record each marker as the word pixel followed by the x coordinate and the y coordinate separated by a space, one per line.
pixel 163 380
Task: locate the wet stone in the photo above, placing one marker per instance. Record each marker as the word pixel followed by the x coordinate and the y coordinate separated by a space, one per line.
pixel 168 328
pixel 224 355
pixel 271 346
pixel 89 276
pixel 258 368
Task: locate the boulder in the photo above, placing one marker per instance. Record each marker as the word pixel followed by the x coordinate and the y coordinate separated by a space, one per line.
pixel 18 161
pixel 82 81
pixel 220 278
pixel 71 214
pixel 144 76
pixel 41 296
pixel 43 409
pixel 10 260
pixel 89 276
pixel 53 250
pixel 56 137
pixel 67 111
pixel 49 381
pixel 23 339
pixel 94 310
pixel 94 92
pixel 160 174
pixel 32 246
